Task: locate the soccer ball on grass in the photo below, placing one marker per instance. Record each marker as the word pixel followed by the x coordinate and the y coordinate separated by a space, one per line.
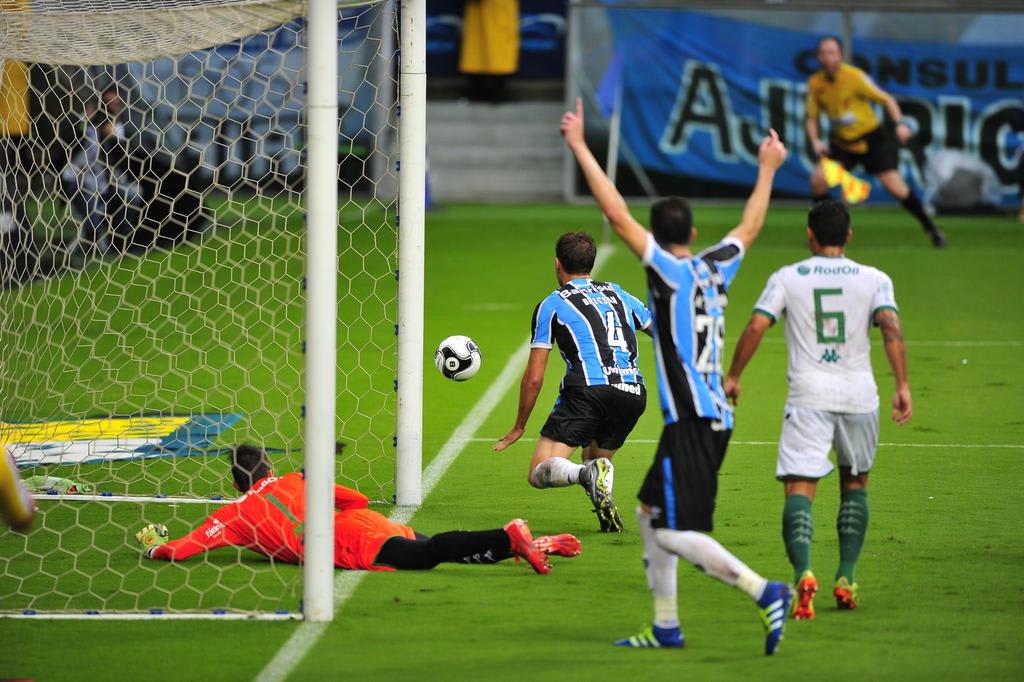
pixel 457 358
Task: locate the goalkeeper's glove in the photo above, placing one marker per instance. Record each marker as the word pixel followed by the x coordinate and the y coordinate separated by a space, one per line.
pixel 152 536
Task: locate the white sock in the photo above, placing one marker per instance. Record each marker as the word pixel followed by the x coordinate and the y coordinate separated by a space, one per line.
pixel 704 552
pixel 555 472
pixel 661 568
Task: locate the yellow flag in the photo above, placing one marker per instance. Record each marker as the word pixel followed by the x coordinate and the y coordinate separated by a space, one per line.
pixel 855 190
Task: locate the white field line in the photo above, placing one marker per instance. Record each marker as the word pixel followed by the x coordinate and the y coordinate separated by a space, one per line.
pixel 977 446
pixel 306 635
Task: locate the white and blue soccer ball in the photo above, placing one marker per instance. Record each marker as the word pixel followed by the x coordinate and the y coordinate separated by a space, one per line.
pixel 457 358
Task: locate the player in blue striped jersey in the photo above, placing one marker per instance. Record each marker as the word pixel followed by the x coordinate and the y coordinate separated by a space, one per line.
pixel 688 294
pixel 602 396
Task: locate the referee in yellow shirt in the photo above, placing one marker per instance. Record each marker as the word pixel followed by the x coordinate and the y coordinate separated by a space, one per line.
pixel 844 93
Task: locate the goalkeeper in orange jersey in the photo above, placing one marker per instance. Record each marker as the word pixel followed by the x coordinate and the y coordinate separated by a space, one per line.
pixel 844 94
pixel 16 507
pixel 269 519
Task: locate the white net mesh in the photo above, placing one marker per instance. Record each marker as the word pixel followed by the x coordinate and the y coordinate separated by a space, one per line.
pixel 152 252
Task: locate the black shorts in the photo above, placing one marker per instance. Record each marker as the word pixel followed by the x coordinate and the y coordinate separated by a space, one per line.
pixel 882 154
pixel 682 483
pixel 601 414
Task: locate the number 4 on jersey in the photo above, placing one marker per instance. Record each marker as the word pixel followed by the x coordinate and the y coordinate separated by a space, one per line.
pixel 615 336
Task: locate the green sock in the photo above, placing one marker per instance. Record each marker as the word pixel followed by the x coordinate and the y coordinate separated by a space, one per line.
pixel 852 524
pixel 797 532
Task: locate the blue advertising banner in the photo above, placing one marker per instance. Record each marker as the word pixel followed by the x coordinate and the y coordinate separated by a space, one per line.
pixel 699 91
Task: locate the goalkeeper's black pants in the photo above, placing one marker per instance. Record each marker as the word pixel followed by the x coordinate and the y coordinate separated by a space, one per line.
pixel 457 546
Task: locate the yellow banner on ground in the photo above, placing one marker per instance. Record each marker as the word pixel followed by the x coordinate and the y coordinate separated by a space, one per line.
pixel 91 429
pixel 855 190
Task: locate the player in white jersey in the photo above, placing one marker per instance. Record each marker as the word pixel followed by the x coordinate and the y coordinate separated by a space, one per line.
pixel 830 303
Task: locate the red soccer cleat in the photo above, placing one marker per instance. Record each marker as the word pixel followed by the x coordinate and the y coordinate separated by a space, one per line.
pixel 803 607
pixel 562 545
pixel 845 594
pixel 522 546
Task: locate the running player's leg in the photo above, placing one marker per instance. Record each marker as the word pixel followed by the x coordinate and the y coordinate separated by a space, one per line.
pixel 804 443
pixel 856 443
pixel 797 534
pixel 898 188
pixel 570 425
pixel 679 492
pixel 620 407
pixel 661 569
pixel 851 526
pixel 550 466
pixel 597 478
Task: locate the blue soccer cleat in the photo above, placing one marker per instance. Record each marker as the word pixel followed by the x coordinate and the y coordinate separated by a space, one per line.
pixel 655 638
pixel 772 607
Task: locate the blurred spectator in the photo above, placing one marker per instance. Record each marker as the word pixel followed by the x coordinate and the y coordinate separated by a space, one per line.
pixel 102 192
pixel 490 48
pixel 16 245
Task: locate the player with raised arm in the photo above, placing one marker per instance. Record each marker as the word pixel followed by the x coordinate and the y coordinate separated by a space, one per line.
pixel 602 396
pixel 688 296
pixel 830 303
pixel 269 519
pixel 845 94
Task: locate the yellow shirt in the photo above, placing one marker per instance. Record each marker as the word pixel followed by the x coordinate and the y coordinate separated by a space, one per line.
pixel 846 100
pixel 490 37
pixel 14 114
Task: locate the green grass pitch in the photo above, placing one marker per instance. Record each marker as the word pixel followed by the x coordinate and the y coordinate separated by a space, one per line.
pixel 941 597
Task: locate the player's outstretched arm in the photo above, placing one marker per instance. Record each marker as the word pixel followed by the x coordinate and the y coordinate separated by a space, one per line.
pixel 608 197
pixel 156 542
pixel 745 349
pixel 770 156
pixel 902 405
pixel 529 389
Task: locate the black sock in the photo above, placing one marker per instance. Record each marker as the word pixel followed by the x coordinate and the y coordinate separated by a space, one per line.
pixel 457 546
pixel 471 546
pixel 916 209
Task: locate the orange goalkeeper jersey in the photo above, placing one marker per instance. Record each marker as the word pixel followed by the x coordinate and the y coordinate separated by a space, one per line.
pixel 269 519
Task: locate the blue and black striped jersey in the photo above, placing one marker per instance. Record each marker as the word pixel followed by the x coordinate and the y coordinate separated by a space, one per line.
pixel 594 325
pixel 688 297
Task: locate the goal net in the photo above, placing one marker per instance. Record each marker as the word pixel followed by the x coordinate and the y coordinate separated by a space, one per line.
pixel 152 284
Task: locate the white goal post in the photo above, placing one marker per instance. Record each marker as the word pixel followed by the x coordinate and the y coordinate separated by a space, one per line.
pixel 141 449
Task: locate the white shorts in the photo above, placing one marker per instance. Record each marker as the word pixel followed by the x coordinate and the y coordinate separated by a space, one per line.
pixel 808 435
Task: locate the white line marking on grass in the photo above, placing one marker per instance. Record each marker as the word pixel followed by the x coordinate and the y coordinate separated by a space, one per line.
pixel 306 635
pixel 648 441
